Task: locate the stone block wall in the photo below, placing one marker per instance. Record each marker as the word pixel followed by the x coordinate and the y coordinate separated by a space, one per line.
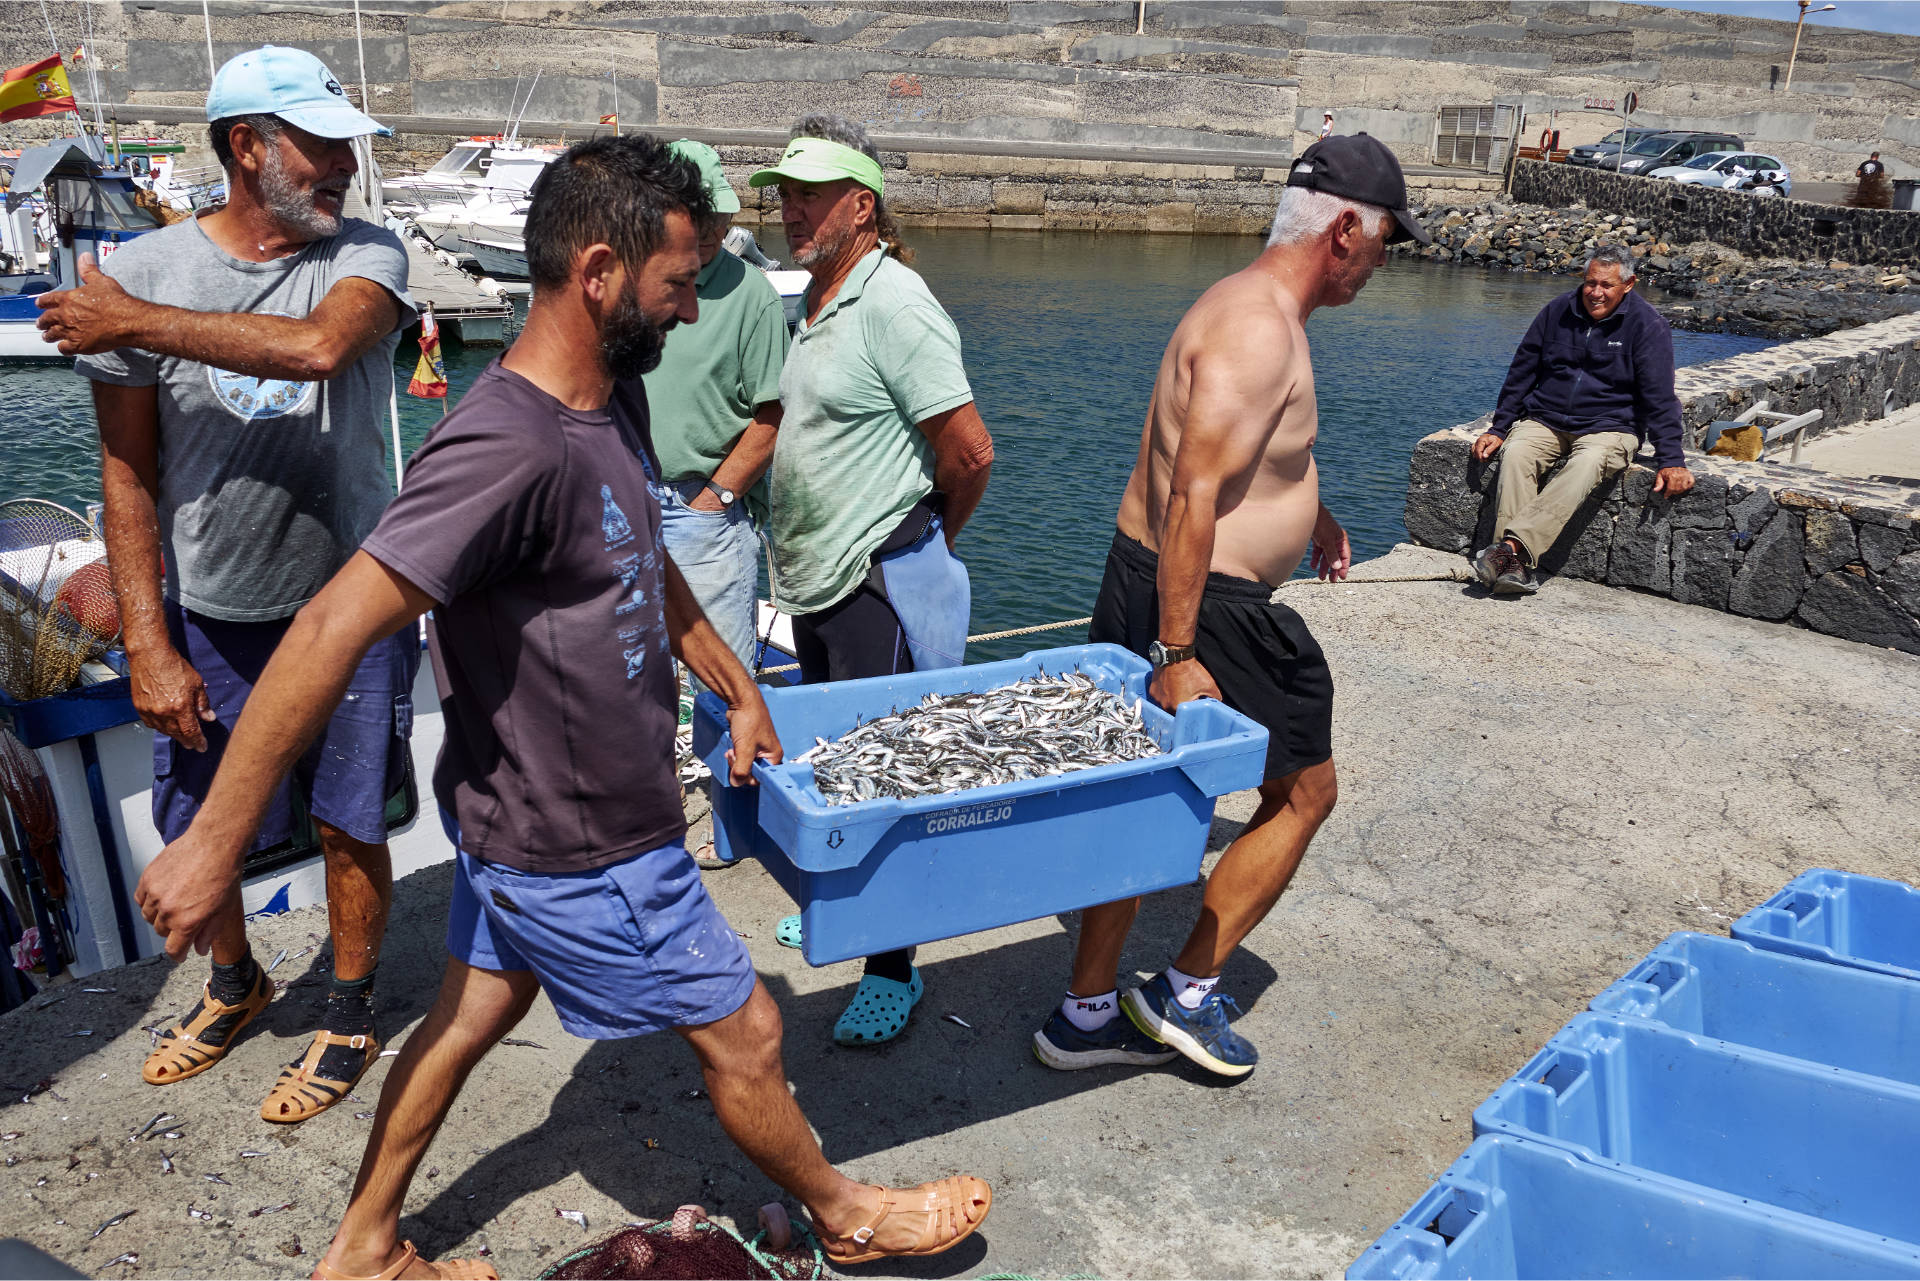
pixel 1763 540
pixel 1758 227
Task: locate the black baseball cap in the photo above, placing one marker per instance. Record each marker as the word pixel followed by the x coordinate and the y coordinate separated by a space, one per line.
pixel 1359 167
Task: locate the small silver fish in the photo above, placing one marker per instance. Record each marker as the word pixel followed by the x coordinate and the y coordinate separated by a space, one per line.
pixel 41 1182
pixel 571 1216
pixel 277 960
pixel 166 1163
pixel 121 1217
pixel 9 1136
pixel 128 1257
pixel 214 1178
pixel 143 1130
pixel 955 1018
pixel 98 991
pixel 171 1134
pixel 270 1209
pixel 363 1116
pixel 386 1054
pixel 247 1154
pixel 203 1215
pixel 531 1045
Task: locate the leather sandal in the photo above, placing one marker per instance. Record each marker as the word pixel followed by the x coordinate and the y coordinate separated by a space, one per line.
pixel 954 1206
pixel 879 1010
pixel 456 1269
pixel 301 1092
pixel 180 1053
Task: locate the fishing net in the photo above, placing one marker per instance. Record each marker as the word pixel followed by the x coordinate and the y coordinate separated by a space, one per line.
pixel 688 1247
pixel 57 609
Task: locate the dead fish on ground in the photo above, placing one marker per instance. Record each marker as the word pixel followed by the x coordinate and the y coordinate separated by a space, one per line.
pixel 12 1161
pixel 143 1130
pixel 214 1178
pixel 204 1215
pixel 247 1154
pixel 166 1163
pixel 171 1134
pixel 41 1182
pixel 269 1209
pixel 386 1054
pixel 571 1216
pixel 277 960
pixel 9 1136
pixel 363 1116
pixel 531 1045
pixel 154 1030
pixel 955 1018
pixel 128 1257
pixel 121 1217
pixel 99 991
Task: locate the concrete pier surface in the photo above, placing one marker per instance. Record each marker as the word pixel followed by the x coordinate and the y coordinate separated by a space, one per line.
pixel 1887 447
pixel 1533 794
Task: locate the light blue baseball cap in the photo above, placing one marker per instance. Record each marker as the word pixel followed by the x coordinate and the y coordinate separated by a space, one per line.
pixel 292 84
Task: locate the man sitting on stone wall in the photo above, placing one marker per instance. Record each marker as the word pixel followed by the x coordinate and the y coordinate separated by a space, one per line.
pixel 1592 381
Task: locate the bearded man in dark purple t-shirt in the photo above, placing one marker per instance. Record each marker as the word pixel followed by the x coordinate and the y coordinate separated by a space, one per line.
pixel 527 526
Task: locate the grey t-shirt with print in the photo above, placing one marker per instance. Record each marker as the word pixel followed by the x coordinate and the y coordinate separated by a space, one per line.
pixel 267 485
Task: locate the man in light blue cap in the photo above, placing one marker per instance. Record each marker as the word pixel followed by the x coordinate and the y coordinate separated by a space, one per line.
pixel 880 460
pixel 242 363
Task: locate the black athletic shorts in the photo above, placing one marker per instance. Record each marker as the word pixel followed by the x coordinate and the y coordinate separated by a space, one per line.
pixel 1267 664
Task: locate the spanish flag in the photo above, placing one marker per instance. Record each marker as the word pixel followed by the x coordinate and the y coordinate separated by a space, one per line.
pixel 430 375
pixel 37 89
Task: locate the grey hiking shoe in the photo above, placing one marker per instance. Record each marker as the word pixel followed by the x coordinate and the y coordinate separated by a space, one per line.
pixel 1482 563
pixel 1510 576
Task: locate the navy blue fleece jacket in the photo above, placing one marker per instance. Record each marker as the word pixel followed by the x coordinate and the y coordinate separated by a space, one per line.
pixel 1582 375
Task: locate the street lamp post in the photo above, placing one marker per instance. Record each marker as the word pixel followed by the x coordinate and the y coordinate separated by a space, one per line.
pixel 1804 11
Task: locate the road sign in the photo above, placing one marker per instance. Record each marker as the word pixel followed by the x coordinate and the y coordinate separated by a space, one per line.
pixel 1633 102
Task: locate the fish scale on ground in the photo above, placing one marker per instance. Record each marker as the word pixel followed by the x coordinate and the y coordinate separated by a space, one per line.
pixel 1035 728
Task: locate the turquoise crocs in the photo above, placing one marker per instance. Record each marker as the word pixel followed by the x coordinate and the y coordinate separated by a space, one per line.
pixel 788 933
pixel 879 1010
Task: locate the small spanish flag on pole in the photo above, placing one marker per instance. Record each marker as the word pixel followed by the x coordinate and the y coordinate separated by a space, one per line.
pixel 37 89
pixel 614 120
pixel 430 375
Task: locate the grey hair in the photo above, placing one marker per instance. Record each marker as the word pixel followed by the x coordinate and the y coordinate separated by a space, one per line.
pixel 848 133
pixel 219 134
pixel 1304 213
pixel 1616 256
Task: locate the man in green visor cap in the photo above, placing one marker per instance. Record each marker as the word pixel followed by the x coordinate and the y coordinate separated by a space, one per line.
pixel 880 460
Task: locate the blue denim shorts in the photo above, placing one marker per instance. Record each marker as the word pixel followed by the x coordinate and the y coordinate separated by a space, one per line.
pixel 345 775
pixel 621 950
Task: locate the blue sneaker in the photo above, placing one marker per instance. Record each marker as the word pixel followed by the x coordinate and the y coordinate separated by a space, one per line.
pixel 1062 1045
pixel 1203 1035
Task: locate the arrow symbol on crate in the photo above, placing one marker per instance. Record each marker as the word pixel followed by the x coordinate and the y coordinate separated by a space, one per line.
pixel 834 839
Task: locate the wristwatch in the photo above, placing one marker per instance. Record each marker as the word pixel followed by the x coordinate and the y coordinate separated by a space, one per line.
pixel 725 495
pixel 1163 655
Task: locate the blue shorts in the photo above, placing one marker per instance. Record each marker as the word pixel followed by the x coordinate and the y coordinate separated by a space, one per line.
pixel 345 775
pixel 621 950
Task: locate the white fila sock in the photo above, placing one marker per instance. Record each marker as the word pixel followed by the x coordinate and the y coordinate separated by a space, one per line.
pixel 1188 990
pixel 1091 1013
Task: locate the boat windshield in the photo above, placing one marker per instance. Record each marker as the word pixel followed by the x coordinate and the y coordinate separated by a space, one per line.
pixel 106 204
pixel 461 159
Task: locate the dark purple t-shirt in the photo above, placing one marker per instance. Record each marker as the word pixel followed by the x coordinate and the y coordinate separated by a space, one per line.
pixel 532 525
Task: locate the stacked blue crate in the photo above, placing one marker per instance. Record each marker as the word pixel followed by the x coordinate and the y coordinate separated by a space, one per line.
pixel 1730 1107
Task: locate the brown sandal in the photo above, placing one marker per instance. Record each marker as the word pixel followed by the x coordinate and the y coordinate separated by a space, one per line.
pixel 454 1269
pixel 180 1053
pixel 301 1092
pixel 954 1206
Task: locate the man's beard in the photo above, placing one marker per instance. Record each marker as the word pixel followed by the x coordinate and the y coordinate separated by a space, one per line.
pixel 293 208
pixel 827 244
pixel 630 343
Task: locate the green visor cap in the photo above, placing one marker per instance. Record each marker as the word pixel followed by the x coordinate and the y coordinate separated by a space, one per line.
pixel 819 160
pixel 712 176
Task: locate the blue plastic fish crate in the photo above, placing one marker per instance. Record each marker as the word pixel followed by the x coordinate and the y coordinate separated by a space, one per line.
pixel 1513 1208
pixel 887 873
pixel 1733 991
pixel 1694 1113
pixel 1842 917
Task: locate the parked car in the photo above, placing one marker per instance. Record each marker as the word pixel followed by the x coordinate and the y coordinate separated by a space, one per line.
pixel 1600 153
pixel 1726 168
pixel 1674 147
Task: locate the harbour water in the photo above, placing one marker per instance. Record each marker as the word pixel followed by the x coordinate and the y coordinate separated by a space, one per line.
pixel 1063 332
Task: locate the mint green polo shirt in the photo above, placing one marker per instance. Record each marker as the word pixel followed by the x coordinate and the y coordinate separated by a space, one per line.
pixel 713 372
pixel 851 461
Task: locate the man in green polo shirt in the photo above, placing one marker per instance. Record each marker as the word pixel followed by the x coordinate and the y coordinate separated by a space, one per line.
pixel 714 401
pixel 880 460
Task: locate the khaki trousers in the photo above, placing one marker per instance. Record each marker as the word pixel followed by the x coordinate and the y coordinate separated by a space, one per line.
pixel 1533 516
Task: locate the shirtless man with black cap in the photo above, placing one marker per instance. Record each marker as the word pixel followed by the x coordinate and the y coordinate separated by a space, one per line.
pixel 1222 504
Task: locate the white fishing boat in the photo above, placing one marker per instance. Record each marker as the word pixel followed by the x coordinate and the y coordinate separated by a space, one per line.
pixel 63 201
pixel 503 257
pixel 509 172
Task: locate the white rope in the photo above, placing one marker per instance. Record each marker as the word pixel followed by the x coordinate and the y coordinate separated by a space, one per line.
pixel 51 39
pixel 360 45
pixel 206 19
